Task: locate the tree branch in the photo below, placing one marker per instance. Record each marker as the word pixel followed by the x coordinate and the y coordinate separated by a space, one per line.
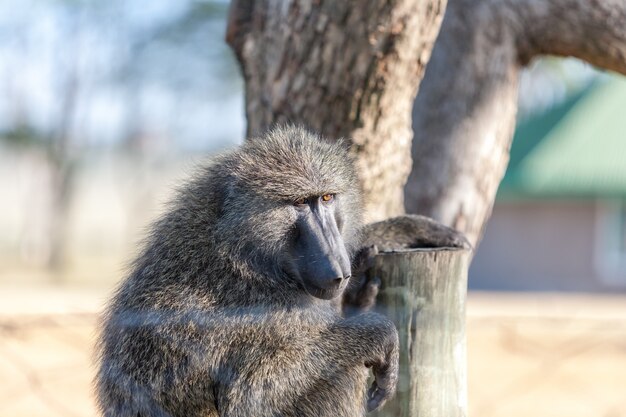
pixel 592 30
pixel 464 115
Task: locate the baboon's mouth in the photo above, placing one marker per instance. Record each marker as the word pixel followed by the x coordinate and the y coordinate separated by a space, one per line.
pixel 324 293
pixel 314 290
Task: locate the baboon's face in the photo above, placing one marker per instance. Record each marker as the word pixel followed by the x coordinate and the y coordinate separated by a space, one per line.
pixel 291 209
pixel 316 254
pixel 301 239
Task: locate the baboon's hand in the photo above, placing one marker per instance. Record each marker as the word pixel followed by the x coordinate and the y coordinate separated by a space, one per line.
pixel 385 369
pixel 361 294
pixel 438 235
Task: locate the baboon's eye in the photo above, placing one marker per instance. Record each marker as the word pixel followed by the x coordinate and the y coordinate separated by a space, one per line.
pixel 327 197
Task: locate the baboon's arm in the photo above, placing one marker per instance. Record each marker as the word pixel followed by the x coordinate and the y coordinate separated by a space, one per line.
pixel 320 374
pixel 369 339
pixel 411 231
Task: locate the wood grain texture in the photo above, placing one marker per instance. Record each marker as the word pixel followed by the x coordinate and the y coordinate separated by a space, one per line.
pixel 424 292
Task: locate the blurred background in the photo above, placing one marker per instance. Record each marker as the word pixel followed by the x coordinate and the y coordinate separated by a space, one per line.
pixel 106 106
pixel 103 107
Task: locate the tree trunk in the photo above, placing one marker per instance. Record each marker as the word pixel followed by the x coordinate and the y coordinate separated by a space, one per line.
pixel 464 115
pixel 344 69
pixel 423 292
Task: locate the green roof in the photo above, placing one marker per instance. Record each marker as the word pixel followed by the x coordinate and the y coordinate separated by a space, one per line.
pixel 577 149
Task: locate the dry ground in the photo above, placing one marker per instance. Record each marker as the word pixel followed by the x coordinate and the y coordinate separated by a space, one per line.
pixel 529 355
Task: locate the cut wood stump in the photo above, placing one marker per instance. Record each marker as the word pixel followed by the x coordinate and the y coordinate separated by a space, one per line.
pixel 424 291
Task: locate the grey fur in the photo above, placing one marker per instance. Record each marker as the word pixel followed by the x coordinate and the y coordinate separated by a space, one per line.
pixel 411 231
pixel 207 323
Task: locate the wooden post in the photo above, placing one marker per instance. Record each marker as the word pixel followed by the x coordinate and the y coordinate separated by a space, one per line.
pixel 423 291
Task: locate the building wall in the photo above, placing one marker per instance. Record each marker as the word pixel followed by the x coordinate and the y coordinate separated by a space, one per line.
pixel 542 245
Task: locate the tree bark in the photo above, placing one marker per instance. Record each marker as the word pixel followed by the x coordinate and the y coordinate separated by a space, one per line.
pixel 423 291
pixel 464 115
pixel 344 69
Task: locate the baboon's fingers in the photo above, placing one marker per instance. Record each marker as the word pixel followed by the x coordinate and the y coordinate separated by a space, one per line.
pixel 365 258
pixel 364 287
pixel 438 235
pixel 385 380
pixel 376 397
pixel 366 298
pixel 456 240
pixel 370 255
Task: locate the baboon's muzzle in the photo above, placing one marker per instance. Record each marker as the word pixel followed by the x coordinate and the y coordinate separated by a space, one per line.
pixel 320 255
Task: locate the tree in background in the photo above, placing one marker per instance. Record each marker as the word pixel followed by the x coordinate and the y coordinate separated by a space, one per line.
pixel 352 69
pixel 464 115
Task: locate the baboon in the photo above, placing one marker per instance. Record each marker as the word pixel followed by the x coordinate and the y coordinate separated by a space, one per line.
pixel 230 309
